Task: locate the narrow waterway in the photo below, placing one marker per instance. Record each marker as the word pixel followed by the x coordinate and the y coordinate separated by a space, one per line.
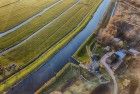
pixel 37 78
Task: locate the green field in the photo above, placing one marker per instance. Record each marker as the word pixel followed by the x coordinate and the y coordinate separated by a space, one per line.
pixel 35 25
pixel 15 13
pixel 46 38
pixel 62 22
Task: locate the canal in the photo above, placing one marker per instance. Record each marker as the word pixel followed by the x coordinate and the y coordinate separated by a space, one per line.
pixel 49 69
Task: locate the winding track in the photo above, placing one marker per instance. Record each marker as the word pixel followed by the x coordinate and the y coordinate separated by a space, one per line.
pixel 109 70
pixel 27 21
pixel 38 30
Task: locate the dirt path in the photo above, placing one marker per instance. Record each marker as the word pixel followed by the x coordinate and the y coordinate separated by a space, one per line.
pixel 125 24
pixel 109 70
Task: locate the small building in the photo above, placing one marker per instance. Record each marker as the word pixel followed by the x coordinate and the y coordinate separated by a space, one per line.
pixel 120 54
pixel 107 49
pixel 116 40
pixel 95 57
pixel 133 52
pixel 116 59
pixel 95 65
pixel 94 68
pixel 117 43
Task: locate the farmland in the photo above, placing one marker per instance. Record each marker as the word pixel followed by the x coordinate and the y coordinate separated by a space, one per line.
pixel 13 14
pixel 28 46
pixel 35 25
pixel 100 39
pixel 45 38
pixel 4 3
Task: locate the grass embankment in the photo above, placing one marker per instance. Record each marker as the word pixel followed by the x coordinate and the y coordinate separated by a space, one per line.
pixel 81 54
pixel 18 76
pixel 70 73
pixel 15 13
pixel 68 70
pixel 35 25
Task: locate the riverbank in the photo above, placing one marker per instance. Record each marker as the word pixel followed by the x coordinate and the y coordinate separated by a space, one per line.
pixel 81 54
pixel 123 25
pixel 50 67
pixel 67 78
pixel 12 80
pixel 71 79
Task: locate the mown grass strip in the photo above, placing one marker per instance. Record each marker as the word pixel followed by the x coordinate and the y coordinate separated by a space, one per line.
pixel 21 74
pixel 35 25
pixel 18 12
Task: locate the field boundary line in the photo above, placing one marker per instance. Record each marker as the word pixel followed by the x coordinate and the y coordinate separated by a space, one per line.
pixel 6 51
